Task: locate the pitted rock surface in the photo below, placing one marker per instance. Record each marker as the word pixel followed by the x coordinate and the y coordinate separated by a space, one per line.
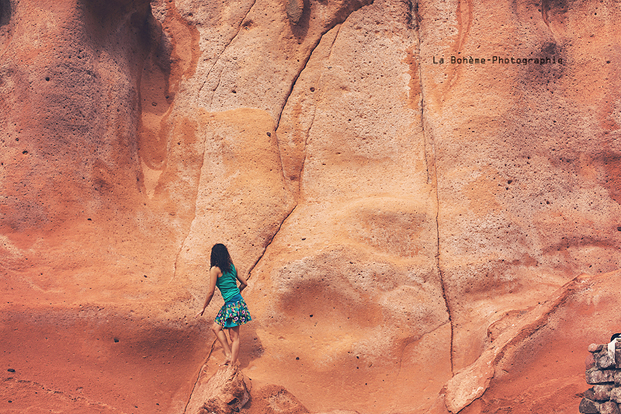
pixel 420 235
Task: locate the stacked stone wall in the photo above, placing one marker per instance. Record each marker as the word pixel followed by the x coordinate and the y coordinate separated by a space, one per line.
pixel 603 372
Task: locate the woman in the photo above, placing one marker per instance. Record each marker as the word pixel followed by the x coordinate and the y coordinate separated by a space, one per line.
pixel 234 313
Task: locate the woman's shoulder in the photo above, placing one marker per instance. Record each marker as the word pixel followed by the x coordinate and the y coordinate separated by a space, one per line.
pixel 231 270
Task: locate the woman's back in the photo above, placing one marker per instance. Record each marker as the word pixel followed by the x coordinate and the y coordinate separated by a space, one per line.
pixel 227 283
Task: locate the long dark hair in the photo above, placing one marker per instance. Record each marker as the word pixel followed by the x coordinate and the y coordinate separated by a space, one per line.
pixel 220 257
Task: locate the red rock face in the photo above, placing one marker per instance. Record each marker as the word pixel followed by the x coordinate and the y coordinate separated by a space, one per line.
pixel 414 222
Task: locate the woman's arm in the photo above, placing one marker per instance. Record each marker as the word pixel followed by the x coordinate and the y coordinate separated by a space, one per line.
pixel 214 272
pixel 242 282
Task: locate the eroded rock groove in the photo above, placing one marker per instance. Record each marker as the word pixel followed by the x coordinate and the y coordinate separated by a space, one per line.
pixel 432 176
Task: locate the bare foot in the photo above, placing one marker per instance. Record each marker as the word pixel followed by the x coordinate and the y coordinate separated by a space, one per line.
pixel 227 361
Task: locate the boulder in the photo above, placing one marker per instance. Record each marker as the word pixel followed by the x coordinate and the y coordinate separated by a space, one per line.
pixel 609 407
pixel 588 407
pixel 226 392
pixel 601 392
pixel 598 376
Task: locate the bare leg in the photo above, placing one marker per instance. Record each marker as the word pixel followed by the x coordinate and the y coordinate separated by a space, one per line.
pixel 217 329
pixel 234 334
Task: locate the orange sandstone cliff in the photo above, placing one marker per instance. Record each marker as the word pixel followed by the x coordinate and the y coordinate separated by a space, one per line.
pixel 425 196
